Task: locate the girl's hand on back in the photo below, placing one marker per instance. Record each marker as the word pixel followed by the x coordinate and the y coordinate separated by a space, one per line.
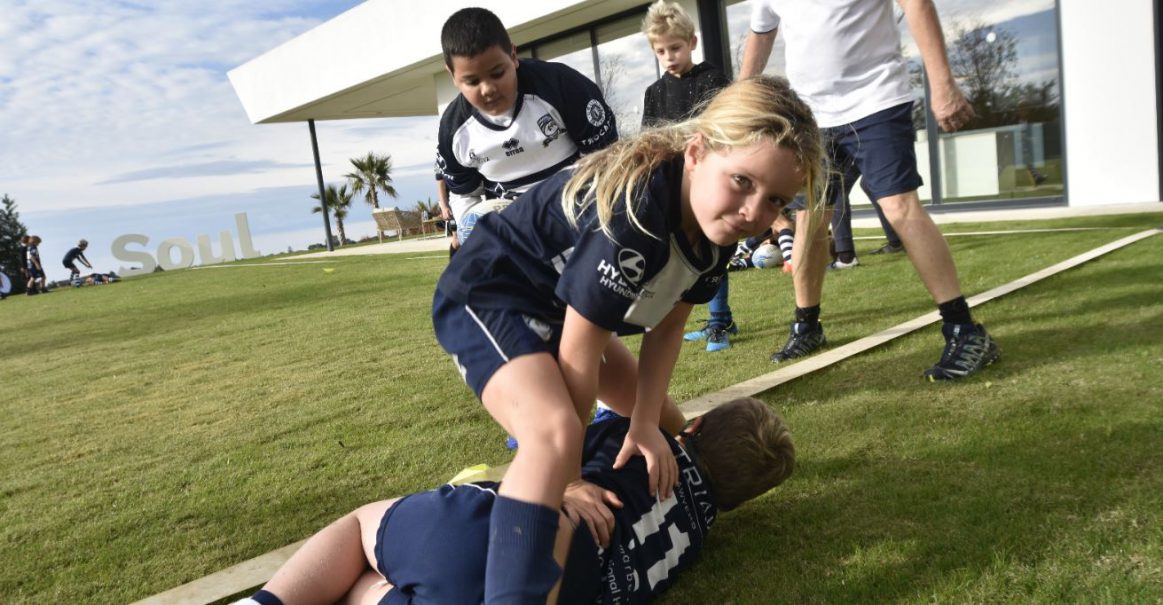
pixel 647 441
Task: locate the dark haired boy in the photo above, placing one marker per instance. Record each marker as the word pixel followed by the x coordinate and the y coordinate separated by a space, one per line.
pixel 515 123
pixel 430 547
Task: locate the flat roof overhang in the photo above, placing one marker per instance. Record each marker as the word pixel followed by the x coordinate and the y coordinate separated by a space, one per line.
pixel 382 58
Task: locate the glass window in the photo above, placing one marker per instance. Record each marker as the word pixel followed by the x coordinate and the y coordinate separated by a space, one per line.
pixel 1005 57
pixel 738 26
pixel 575 51
pixel 627 66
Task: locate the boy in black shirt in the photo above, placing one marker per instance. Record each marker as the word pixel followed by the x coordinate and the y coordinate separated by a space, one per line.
pixel 684 86
pixel 676 96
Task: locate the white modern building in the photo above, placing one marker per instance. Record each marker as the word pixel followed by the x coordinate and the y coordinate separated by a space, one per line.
pixel 1069 111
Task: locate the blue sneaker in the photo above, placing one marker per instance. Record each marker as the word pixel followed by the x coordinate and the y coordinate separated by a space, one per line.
pixel 704 332
pixel 604 414
pixel 717 339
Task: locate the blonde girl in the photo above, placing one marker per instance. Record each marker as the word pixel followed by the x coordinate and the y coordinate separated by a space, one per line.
pixel 625 243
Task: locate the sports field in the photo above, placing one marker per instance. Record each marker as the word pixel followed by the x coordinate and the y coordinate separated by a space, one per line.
pixel 160 429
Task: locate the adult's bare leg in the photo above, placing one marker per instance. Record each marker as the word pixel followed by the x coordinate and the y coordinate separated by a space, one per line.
pixel 924 244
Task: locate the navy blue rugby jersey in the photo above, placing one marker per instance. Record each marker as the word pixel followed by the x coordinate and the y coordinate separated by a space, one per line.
pixel 652 541
pixel 528 258
pixel 73 254
pixel 558 114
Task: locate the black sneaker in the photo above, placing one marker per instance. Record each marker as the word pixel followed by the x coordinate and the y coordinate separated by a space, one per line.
pixel 737 263
pixel 968 348
pixel 802 341
pixel 889 248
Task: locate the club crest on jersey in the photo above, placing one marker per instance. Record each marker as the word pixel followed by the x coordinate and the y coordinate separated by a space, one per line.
pixel 595 113
pixel 475 160
pixel 550 128
pixel 512 147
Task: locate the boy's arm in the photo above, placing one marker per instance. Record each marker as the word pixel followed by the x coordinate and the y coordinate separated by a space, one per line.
pixel 588 119
pixel 442 197
pixel 463 182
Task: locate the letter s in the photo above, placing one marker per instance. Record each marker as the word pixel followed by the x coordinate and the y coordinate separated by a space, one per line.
pixel 147 262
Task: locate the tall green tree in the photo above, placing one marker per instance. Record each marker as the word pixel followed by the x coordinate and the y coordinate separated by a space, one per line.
pixel 372 174
pixel 11 230
pixel 337 201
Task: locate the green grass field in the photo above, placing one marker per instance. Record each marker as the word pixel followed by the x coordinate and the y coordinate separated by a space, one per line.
pixel 166 427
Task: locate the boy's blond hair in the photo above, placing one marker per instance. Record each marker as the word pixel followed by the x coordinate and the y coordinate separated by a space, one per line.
pixel 745 449
pixel 667 19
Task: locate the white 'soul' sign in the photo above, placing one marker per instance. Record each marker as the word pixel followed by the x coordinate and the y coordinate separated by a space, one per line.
pixel 165 250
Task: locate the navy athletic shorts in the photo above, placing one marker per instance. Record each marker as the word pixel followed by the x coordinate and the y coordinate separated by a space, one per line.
pixel 480 341
pixel 879 147
pixel 432 546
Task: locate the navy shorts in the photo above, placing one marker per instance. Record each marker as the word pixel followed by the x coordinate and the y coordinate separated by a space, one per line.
pixel 432 545
pixel 480 341
pixel 34 272
pixel 878 147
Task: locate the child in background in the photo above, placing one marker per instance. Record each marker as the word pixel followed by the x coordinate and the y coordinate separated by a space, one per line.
pixel 625 243
pixel 35 269
pixel 514 124
pixel 71 257
pixel 23 269
pixel 677 95
pixel 684 86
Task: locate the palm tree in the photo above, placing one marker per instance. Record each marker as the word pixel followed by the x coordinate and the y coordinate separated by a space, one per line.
pixel 338 201
pixel 432 208
pixel 372 174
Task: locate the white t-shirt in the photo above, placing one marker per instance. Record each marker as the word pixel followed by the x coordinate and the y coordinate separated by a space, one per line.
pixel 843 56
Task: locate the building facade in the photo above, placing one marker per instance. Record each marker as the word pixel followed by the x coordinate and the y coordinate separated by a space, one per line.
pixel 1067 92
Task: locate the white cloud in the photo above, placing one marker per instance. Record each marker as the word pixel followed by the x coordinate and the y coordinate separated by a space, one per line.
pixel 93 90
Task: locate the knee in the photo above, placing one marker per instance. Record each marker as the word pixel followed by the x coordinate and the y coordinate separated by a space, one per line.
pixel 556 434
pixel 900 208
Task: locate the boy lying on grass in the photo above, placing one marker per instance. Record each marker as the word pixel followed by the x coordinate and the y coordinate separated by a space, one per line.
pixel 430 547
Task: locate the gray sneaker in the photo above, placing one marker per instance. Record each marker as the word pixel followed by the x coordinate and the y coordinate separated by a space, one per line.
pixel 968 348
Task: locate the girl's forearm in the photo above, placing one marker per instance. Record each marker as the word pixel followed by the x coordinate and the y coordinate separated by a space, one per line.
pixel 656 360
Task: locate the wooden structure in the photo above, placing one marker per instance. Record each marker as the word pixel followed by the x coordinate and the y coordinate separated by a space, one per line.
pixel 400 221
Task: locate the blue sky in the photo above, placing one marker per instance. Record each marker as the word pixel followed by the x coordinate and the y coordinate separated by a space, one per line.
pixel 118 118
